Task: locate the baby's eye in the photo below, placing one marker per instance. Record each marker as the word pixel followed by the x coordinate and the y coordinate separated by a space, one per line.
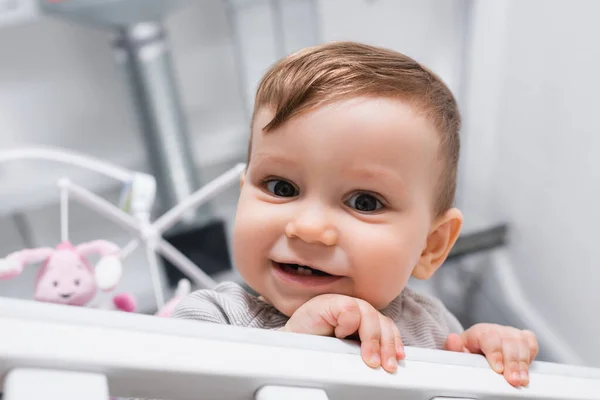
pixel 281 188
pixel 364 202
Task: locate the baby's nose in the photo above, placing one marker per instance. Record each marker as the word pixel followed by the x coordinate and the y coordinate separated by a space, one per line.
pixel 313 227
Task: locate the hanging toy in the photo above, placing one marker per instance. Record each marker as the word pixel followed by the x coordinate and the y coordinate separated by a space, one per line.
pixel 66 276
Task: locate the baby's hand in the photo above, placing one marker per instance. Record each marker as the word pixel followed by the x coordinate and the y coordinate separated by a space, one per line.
pixel 342 316
pixel 508 350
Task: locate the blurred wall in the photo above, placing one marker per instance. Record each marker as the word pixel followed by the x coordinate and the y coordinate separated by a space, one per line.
pixel 430 31
pixel 531 156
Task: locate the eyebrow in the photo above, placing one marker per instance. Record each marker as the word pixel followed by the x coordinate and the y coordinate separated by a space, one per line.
pixel 262 158
pixel 376 173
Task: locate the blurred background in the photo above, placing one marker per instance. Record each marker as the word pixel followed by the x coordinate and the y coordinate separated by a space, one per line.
pixel 75 74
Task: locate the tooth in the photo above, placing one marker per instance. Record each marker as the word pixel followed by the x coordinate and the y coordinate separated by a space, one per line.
pixel 304 271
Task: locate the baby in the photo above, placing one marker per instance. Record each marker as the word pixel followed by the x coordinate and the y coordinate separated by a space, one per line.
pixel 349 192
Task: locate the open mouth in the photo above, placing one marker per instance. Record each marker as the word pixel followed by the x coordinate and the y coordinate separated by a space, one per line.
pixel 304 275
pixel 301 270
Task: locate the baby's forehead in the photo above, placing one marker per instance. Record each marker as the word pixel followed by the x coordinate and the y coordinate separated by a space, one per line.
pixel 370 131
pixel 372 114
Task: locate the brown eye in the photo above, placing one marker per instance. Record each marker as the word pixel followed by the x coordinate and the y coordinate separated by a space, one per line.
pixel 364 202
pixel 281 188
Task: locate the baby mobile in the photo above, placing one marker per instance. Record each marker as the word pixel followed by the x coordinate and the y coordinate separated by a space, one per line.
pixel 67 275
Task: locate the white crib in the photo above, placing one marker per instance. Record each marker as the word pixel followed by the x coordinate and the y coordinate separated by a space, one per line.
pixel 62 352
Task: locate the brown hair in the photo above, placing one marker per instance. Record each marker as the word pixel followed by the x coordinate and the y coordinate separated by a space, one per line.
pixel 321 74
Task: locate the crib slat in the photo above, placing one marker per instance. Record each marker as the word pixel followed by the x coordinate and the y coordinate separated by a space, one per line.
pixel 48 384
pixel 272 392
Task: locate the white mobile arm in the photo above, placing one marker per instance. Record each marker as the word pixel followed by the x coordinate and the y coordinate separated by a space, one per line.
pixel 152 232
pixel 141 206
pixel 113 213
pixel 145 233
pixel 156 229
pixel 70 158
pixel 196 199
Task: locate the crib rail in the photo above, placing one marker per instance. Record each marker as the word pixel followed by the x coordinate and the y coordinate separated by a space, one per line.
pixel 130 355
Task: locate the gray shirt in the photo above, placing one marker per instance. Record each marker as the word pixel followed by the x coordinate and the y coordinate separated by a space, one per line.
pixel 423 321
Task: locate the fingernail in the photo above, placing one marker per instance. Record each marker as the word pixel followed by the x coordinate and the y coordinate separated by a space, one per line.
pixel 524 377
pixel 400 349
pixel 516 376
pixel 375 360
pixel 499 367
pixel 392 362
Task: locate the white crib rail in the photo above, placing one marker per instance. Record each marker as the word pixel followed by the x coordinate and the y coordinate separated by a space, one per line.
pixel 151 357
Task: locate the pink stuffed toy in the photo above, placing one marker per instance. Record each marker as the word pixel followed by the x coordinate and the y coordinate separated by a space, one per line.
pixel 66 277
pixel 181 292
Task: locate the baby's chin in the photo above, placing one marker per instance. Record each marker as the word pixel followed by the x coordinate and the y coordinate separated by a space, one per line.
pixel 286 306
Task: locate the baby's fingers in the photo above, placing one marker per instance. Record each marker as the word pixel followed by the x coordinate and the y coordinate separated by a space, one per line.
pixel 516 361
pixel 533 344
pixel 524 360
pixel 400 354
pixel 388 344
pixel 455 343
pixel 369 332
pixel 492 347
pixel 347 318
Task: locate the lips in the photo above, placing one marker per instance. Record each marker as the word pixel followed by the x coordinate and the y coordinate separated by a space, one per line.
pixel 302 274
pixel 302 270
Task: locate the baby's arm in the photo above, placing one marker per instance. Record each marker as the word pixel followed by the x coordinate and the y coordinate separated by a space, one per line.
pixel 509 351
pixel 229 304
pixel 202 305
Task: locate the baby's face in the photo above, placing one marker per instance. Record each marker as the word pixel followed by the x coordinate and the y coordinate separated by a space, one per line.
pixel 338 200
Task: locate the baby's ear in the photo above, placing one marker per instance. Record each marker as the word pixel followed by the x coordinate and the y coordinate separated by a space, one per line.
pixel 442 237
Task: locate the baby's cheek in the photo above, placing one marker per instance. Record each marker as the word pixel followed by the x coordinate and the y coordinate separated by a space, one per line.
pixel 258 225
pixel 247 230
pixel 255 222
pixel 384 260
pixel 381 246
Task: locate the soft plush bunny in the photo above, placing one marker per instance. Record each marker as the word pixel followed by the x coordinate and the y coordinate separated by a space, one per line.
pixel 66 276
pixel 184 288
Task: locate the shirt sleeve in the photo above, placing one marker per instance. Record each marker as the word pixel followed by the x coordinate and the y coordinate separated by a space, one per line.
pixel 229 304
pixel 202 305
pixel 423 320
